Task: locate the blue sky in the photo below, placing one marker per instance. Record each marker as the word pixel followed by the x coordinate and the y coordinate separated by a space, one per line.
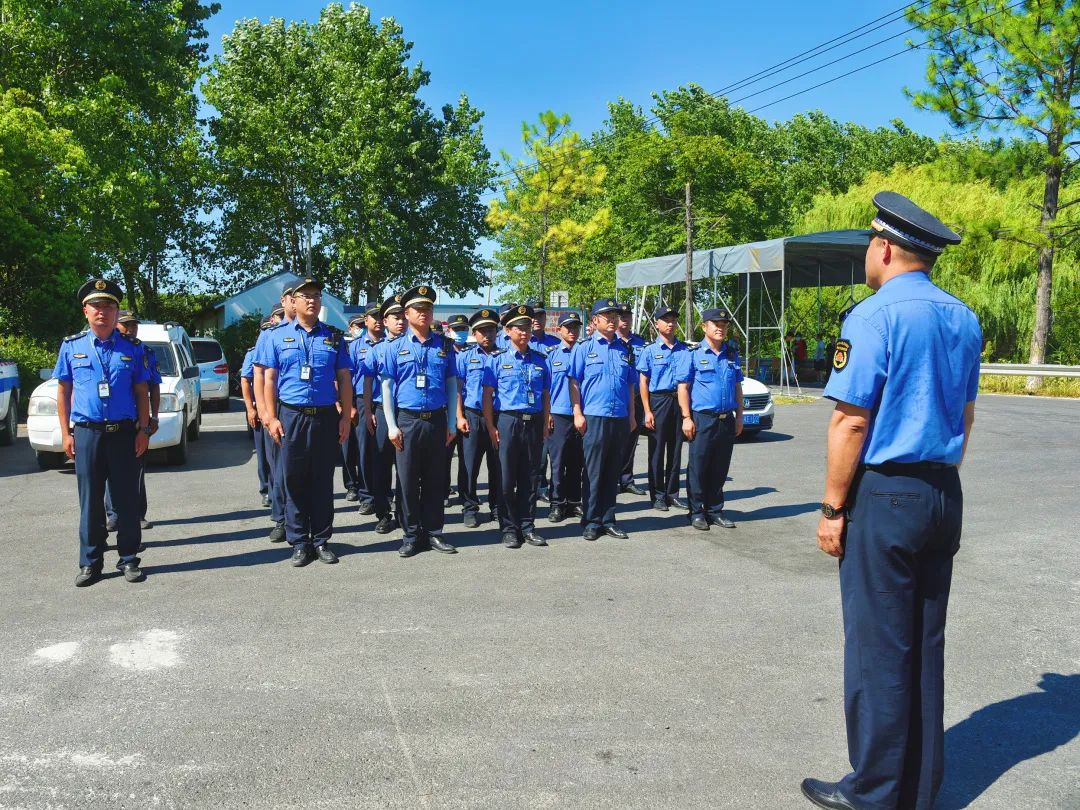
pixel 516 59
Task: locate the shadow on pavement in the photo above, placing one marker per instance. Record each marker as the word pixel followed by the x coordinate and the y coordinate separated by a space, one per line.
pixel 770 512
pixel 237 515
pixel 996 738
pixel 765 437
pixel 263 556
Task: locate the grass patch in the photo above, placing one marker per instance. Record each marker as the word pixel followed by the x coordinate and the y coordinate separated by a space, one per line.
pixel 785 399
pixel 1051 386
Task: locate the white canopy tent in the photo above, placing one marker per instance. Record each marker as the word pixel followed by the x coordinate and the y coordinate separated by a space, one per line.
pixel 774 267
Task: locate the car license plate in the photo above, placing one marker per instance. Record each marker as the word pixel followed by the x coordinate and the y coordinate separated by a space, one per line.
pixel 751 418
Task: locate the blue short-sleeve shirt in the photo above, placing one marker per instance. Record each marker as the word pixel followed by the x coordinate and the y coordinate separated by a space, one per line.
pixel 471 364
pixel 659 363
pixel 910 354
pixel 291 348
pixel 247 369
pixel 604 374
pixel 359 351
pixel 558 361
pixel 85 360
pixel 419 369
pixel 712 377
pixel 543 343
pixel 519 379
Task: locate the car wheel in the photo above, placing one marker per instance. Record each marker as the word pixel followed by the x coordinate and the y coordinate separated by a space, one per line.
pixel 195 426
pixel 10 427
pixel 50 461
pixel 177 454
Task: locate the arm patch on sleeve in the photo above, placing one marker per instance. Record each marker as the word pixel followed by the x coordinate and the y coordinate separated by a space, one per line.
pixel 840 356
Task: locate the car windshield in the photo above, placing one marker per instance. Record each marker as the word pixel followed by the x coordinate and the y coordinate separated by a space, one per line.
pixel 165 358
pixel 206 351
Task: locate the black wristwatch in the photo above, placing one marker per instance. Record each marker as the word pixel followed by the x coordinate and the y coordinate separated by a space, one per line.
pixel 830 511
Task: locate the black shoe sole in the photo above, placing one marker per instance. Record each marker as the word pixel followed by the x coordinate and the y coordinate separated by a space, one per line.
pixel 444 550
pixel 86 583
pixel 133 580
pixel 334 561
pixel 301 562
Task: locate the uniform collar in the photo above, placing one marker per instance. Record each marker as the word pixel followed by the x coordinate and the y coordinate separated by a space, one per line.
pixel 599 338
pixel 299 327
pixel 911 276
pixel 370 342
pixel 705 346
pixel 415 338
pixel 659 343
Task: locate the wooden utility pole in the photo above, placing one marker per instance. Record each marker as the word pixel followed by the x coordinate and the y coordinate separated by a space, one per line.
pixel 689 264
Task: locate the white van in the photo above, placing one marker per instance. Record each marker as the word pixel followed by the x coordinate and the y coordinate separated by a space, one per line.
pixel 179 417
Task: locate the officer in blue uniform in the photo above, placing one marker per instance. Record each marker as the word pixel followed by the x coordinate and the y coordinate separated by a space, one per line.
pixel 102 403
pixel 457 333
pixel 905 377
pixel 542 341
pixel 384 480
pixel 502 340
pixel 636 343
pixel 361 346
pixel 259 388
pixel 476 444
pixel 419 379
pixel 657 365
pixel 351 476
pixel 262 454
pixel 128 326
pixel 711 405
pixel 522 381
pixel 309 402
pixel 564 442
pixel 602 380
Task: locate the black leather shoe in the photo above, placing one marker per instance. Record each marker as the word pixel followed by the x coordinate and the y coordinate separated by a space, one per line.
pixel 385 525
pixel 145 524
pixel 826 794
pixel 407 550
pixel 88 575
pixel 543 494
pixel 720 520
pixel 367 508
pixel 660 506
pixel 677 503
pixel 277 534
pixel 533 539
pixel 557 514
pixel 132 572
pixel 326 554
pixel 141 549
pixel 438 544
pixel 300 557
pixel 615 531
pixel 591 534
pixel 266 500
pixel 574 510
pixel 471 520
pixel 110 525
pixel 510 539
pixel 634 489
pixel 351 495
pixel 700 524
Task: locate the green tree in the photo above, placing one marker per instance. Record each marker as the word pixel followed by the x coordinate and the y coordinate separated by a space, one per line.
pixel 543 218
pixel 999 64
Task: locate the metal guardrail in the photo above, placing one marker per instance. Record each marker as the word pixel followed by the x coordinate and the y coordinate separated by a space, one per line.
pixel 1025 370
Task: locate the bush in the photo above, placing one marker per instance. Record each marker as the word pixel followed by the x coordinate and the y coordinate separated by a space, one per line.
pixel 31 356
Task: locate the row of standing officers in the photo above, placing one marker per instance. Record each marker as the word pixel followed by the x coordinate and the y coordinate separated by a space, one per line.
pixel 516 401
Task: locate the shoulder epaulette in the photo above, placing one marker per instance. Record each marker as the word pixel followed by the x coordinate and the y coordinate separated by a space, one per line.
pixel 279 324
pixel 251 349
pixel 134 341
pixel 76 336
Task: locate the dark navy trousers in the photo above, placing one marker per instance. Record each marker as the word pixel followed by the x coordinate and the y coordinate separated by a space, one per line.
pixel 350 462
pixel 626 475
pixel 476 450
pixel 567 460
pixel 521 439
pixel 365 454
pixel 307 457
pixel 903 532
pixel 384 465
pixel 604 445
pixel 709 462
pixel 277 486
pixel 102 457
pixel 665 447
pixel 262 459
pixel 422 473
pixel 110 511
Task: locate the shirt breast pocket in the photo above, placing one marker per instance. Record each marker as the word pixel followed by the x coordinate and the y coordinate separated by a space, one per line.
pixel 288 357
pixel 82 370
pixel 323 360
pixel 594 366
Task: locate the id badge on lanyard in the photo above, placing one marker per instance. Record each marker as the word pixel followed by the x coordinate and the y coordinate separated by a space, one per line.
pixel 421 380
pixel 528 383
pixel 305 372
pixel 103 389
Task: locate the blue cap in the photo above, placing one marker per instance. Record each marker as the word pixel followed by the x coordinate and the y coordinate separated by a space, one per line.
pixel 372 309
pixel 536 305
pixel 716 315
pixel 357 319
pixel 457 322
pixel 522 312
pixel 624 309
pixel 484 317
pixel 391 305
pixel 663 311
pixel 97 289
pixel 418 295
pixel 902 221
pixel 605 305
pixel 570 318
pixel 504 308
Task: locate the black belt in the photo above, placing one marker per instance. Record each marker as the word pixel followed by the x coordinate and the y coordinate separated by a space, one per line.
pixel 713 414
pixel 478 411
pixel 310 410
pixel 662 393
pixel 524 416
pixel 903 467
pixel 108 427
pixel 419 414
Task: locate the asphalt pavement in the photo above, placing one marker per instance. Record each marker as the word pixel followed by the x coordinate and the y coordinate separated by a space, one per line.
pixel 675 669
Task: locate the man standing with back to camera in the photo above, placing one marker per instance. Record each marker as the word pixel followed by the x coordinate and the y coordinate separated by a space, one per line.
pixel 905 376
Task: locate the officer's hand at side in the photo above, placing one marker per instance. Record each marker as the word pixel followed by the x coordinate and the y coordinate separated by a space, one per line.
pixel 738 424
pixel 547 428
pixel 493 434
pixel 252 418
pixel 579 423
pixel 396 438
pixel 69 446
pixel 650 421
pixel 550 424
pixel 142 441
pixel 463 425
pixel 688 429
pixel 450 436
pixel 830 535
pixel 275 429
pixel 370 419
pixel 344 426
pixel 633 422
